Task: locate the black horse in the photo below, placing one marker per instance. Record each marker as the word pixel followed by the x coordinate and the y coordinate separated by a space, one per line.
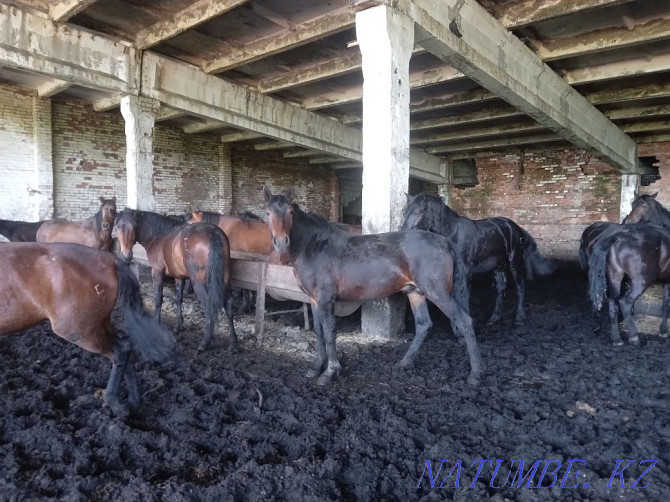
pixel 495 245
pixel 333 264
pixel 20 231
pixel 640 252
pixel 590 235
pixel 199 252
pixel 646 209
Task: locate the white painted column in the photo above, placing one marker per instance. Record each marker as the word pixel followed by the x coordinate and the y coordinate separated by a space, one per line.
pixel 386 39
pixel 225 179
pixel 43 175
pixel 629 186
pixel 139 114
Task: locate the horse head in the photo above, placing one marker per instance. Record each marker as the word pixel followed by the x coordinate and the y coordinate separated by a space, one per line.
pixel 645 208
pixel 416 213
pixel 107 213
pixel 126 233
pixel 279 209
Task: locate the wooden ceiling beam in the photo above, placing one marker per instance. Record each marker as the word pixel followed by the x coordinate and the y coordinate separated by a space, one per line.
pixel 609 71
pixel 514 15
pixel 301 34
pixel 503 129
pixel 187 18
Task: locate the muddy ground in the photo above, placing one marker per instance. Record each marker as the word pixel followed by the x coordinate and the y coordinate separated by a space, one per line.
pixel 555 389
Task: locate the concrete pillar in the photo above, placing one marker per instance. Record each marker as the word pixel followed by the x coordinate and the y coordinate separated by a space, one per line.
pixel 386 38
pixel 444 191
pixel 43 175
pixel 629 186
pixel 225 179
pixel 139 114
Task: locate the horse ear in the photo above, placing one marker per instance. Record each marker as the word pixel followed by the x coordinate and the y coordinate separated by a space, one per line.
pixel 267 194
pixel 114 199
pixel 102 199
pixel 654 196
pixel 290 194
pixel 410 198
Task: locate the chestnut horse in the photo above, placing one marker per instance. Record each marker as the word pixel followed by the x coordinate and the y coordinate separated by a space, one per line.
pixel 95 232
pixel 199 252
pixel 495 245
pixel 76 288
pixel 20 231
pixel 333 264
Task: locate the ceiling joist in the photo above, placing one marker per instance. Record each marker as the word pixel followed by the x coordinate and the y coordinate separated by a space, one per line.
pixel 301 34
pixel 62 10
pixel 184 20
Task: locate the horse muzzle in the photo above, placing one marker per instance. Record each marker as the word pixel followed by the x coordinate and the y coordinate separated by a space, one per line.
pixel 126 257
pixel 105 226
pixel 281 244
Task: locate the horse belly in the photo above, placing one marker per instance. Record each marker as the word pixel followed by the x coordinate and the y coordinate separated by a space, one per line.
pixel 17 312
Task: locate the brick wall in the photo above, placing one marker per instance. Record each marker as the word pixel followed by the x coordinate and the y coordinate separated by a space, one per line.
pixel 317 189
pixel 557 194
pixel 662 186
pixel 17 178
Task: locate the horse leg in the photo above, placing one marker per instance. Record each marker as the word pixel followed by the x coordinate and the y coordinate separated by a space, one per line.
pixel 613 293
pixel 500 280
pixel 228 307
pixel 179 298
pixel 422 324
pixel 158 277
pixel 517 273
pixel 120 359
pixel 328 324
pixel 626 304
pixel 666 310
pixel 201 293
pixel 130 378
pixel 320 361
pixel 461 323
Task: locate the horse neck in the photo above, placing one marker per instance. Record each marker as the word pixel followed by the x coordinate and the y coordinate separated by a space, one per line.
pixel 147 233
pixel 303 231
pixel 448 220
pixel 662 216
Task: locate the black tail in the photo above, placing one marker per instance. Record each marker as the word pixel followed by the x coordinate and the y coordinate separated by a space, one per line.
pixel 598 270
pixel 535 264
pixel 583 258
pixel 154 341
pixel 214 278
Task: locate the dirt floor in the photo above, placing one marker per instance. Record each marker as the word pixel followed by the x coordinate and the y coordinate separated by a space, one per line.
pixel 250 426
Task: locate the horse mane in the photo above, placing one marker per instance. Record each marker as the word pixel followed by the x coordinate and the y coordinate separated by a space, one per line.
pixel 158 224
pixel 248 216
pixel 210 217
pixel 314 230
pixel 661 214
pixel 440 216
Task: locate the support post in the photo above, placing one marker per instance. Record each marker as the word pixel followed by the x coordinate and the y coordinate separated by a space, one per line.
pixel 140 114
pixel 225 179
pixel 386 39
pixel 43 174
pixel 629 186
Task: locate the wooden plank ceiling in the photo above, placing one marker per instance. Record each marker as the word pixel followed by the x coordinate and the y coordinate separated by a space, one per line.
pixel 616 53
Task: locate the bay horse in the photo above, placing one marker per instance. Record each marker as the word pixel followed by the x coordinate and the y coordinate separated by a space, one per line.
pixel 332 264
pixel 495 245
pixel 640 252
pixel 77 288
pixel 199 252
pixel 95 232
pixel 20 231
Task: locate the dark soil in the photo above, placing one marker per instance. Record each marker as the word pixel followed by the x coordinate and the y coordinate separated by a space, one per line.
pixel 555 389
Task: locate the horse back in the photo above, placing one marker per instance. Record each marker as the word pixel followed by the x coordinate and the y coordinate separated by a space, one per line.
pixel 246 236
pixel 83 232
pixel 59 282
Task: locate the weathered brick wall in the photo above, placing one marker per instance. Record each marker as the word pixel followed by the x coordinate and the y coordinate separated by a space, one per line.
pixel 557 195
pixel 16 154
pixel 317 189
pixel 662 186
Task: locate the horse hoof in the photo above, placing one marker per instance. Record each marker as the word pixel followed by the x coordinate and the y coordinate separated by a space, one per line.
pixel 617 344
pixel 119 410
pixel 312 373
pixel 663 335
pixel 203 347
pixel 635 341
pixel 473 380
pixel 404 364
pixel 323 380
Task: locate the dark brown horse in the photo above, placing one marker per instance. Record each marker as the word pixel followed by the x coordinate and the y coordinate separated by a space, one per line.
pixel 76 288
pixel 495 245
pixel 646 209
pixel 590 235
pixel 95 232
pixel 333 264
pixel 640 252
pixel 20 231
pixel 199 252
